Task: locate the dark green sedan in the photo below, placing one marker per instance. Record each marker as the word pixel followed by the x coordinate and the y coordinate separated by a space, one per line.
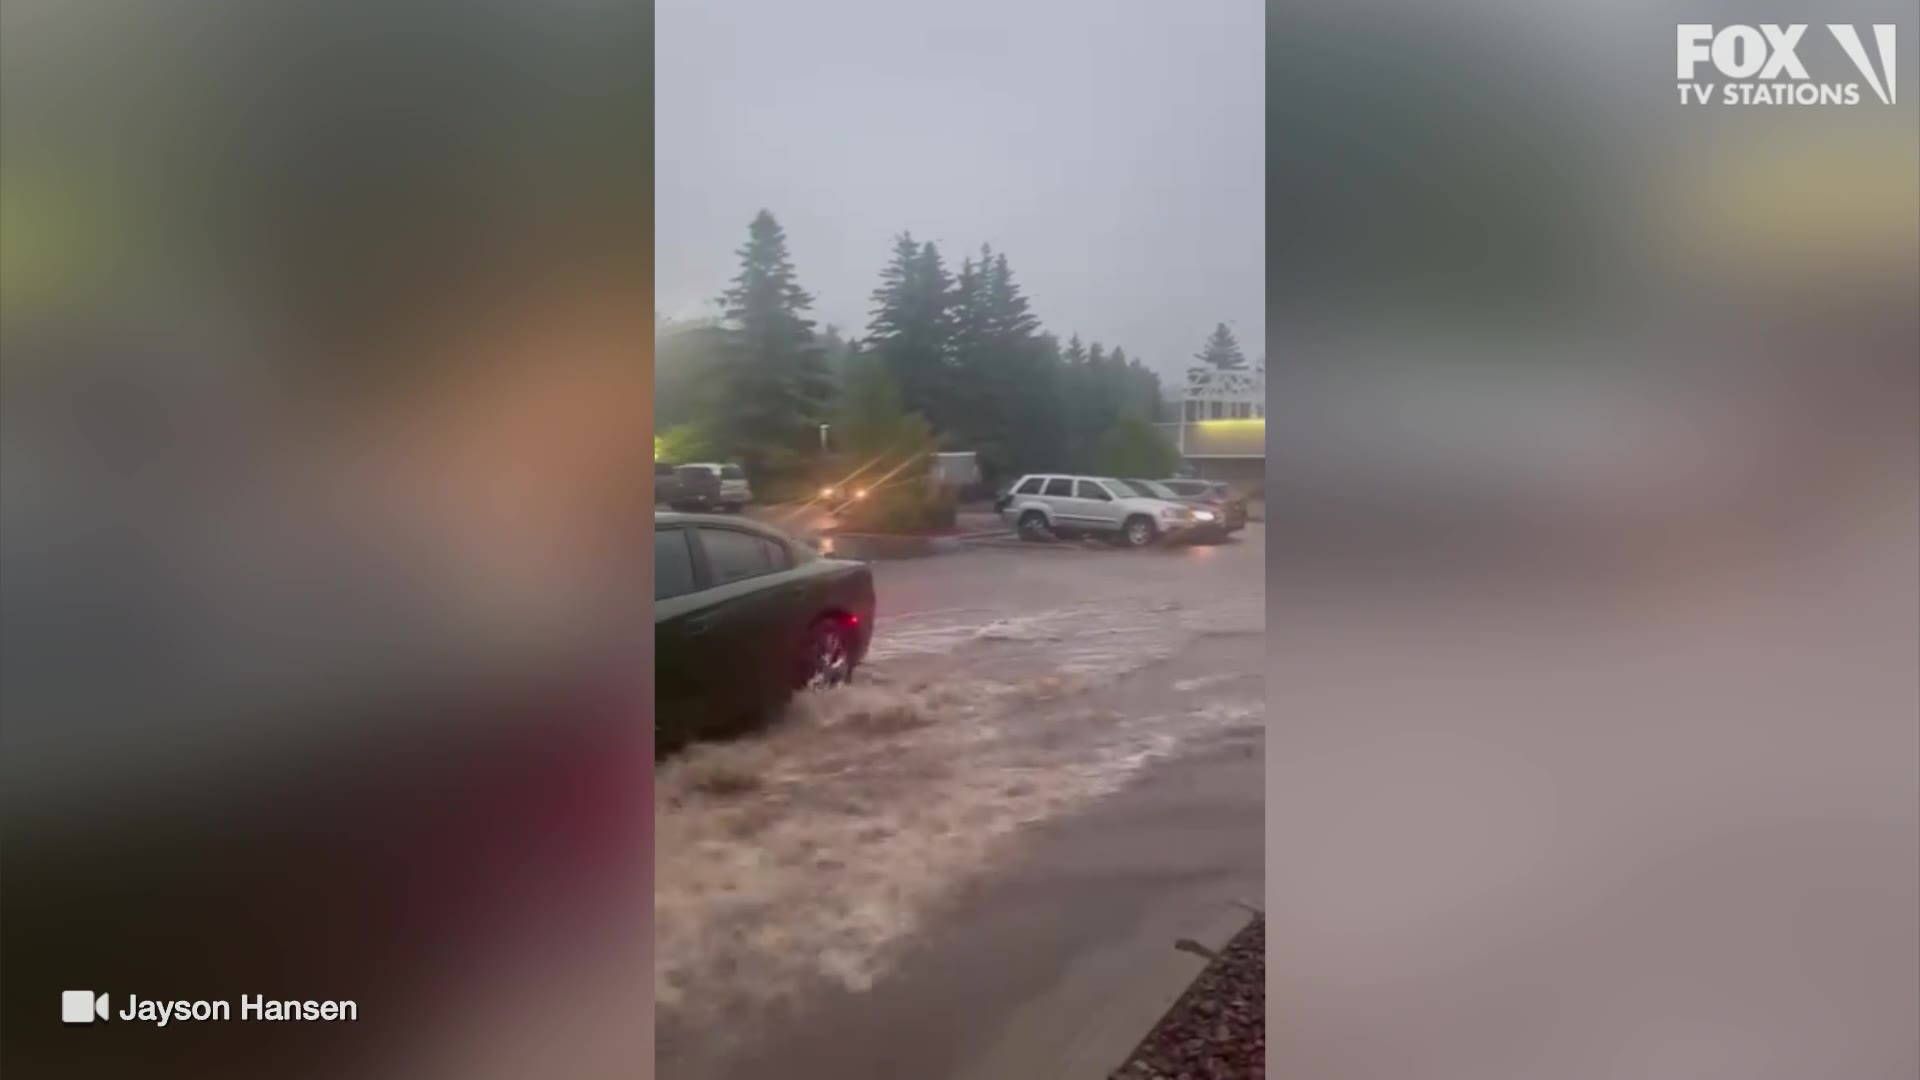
pixel 742 617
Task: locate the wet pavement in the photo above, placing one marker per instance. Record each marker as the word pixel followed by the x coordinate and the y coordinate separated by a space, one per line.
pixel 1052 764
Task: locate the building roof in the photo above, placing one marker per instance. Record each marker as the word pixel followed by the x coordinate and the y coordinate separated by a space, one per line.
pixel 1214 384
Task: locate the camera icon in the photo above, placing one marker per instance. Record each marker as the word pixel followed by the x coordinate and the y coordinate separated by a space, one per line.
pixel 81 1006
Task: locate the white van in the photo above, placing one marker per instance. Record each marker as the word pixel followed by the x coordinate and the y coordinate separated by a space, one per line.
pixel 734 490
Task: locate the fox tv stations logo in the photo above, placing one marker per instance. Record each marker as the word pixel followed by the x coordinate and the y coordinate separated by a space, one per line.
pixel 1762 65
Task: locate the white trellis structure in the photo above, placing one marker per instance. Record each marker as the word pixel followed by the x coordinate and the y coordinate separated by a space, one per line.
pixel 1211 396
pixel 1214 394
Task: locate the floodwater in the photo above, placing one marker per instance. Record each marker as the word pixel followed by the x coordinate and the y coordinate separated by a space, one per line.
pixel 1006 689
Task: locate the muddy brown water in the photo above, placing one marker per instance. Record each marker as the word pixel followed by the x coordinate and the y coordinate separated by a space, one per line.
pixel 1016 779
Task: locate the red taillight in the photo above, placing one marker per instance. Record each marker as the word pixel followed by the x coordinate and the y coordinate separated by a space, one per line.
pixel 853 620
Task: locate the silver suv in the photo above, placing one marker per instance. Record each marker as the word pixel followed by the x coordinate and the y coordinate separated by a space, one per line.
pixel 1041 506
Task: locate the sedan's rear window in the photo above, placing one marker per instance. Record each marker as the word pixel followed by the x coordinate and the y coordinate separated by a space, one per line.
pixel 778 557
pixel 672 564
pixel 733 555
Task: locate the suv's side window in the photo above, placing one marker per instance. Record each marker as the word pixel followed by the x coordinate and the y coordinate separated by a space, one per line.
pixel 1087 489
pixel 1030 486
pixel 672 564
pixel 1059 487
pixel 733 555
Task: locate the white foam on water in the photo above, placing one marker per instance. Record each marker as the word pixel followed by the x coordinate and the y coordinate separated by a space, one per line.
pixel 1188 686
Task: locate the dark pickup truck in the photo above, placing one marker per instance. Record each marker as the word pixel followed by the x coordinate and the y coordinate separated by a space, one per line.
pixel 685 487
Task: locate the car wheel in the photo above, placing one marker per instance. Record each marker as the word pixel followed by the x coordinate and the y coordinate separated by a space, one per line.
pixel 1140 531
pixel 1033 526
pixel 828 659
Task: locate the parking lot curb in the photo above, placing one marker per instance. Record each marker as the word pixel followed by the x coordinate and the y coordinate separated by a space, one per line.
pixel 1119 997
pixel 881 547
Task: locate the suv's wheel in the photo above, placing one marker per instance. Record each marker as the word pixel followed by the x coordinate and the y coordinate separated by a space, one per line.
pixel 1140 531
pixel 1033 526
pixel 828 657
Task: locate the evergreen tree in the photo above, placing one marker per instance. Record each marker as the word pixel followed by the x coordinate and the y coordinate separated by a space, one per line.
pixel 969 404
pixel 840 352
pixel 685 357
pixel 1076 353
pixel 912 326
pixel 775 374
pixel 1097 356
pixel 1000 371
pixel 1042 412
pixel 970 313
pixel 1010 316
pixel 1146 389
pixel 890 318
pixel 1222 351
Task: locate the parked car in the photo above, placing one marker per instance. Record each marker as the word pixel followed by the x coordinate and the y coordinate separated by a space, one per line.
pixel 734 491
pixel 1046 505
pixel 666 486
pixel 685 487
pixel 1214 495
pixel 1214 525
pixel 743 616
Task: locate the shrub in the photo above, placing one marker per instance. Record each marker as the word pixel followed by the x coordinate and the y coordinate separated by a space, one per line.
pixel 1134 447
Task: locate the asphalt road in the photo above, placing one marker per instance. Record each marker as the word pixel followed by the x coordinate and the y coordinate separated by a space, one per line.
pixel 976 863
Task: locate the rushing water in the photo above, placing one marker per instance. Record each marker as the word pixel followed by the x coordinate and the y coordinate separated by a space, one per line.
pixel 815 850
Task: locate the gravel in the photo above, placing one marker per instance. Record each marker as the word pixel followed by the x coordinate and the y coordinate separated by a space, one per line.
pixel 1218 1028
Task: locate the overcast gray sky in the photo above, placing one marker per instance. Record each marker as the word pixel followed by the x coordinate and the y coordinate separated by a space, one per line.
pixel 1113 149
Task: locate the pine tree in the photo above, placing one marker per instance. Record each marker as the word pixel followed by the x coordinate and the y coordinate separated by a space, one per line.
pixel 1000 370
pixel 969 404
pixel 912 326
pixel 840 352
pixel 1010 316
pixel 1147 389
pixel 1097 356
pixel 1041 412
pixel 1076 353
pixel 970 312
pixel 1222 351
pixel 776 376
pixel 890 318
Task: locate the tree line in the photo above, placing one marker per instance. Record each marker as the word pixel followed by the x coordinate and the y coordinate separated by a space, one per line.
pixel 960 349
